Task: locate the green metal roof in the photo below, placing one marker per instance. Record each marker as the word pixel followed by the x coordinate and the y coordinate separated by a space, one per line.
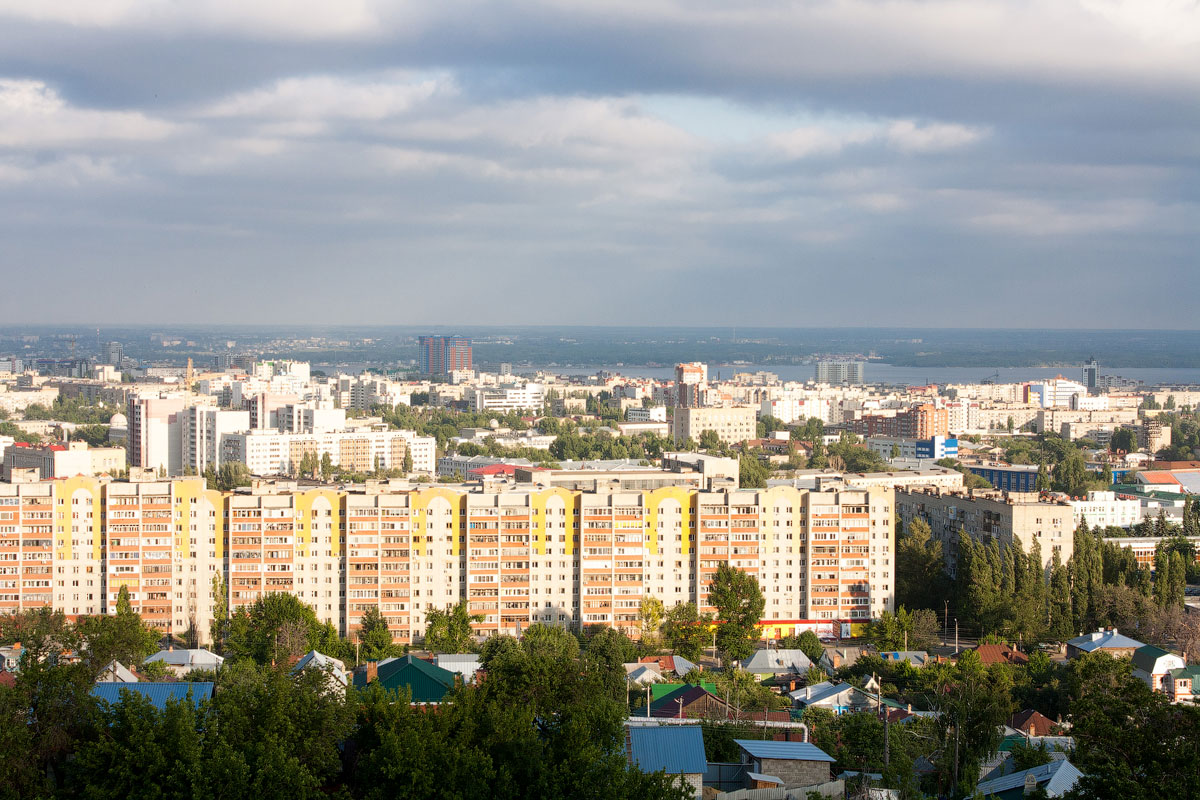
pixel 661 690
pixel 427 682
pixel 1145 656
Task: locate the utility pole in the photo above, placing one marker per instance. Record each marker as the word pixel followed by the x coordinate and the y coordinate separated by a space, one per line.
pixel 887 718
pixel 946 624
pixel 647 701
pixel 956 636
pixel 955 787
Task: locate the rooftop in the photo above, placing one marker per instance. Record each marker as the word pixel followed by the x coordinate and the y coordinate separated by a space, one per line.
pixel 786 751
pixel 674 749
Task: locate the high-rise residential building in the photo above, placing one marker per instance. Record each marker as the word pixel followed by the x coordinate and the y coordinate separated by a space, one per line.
pixel 834 372
pixel 444 355
pixel 155 433
pixel 691 381
pixel 113 353
pixel 1091 375
pixel 924 421
pixel 517 557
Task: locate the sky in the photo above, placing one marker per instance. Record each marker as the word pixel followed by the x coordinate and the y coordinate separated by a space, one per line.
pixel 992 163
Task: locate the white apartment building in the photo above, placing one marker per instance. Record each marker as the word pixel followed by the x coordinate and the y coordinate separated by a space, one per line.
pixel 651 414
pixel 270 452
pixel 793 407
pixel 508 397
pixel 156 433
pixel 1105 509
pixel 202 429
pixel 62 461
pixel 732 425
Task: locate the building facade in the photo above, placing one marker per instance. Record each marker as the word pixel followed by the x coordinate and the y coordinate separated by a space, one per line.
pixel 443 355
pixel 732 425
pixel 518 557
pixel 835 373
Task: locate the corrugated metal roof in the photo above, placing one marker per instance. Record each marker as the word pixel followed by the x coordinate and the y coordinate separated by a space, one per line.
pixel 427 682
pixel 674 749
pixel 157 693
pixel 196 659
pixel 777 661
pixel 1057 778
pixel 790 751
pixel 1103 640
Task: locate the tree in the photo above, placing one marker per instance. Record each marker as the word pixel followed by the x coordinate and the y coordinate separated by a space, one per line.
pixel 121 637
pixel 326 466
pixel 920 575
pixel 810 645
pixel 220 620
pixel 1123 440
pixel 309 463
pixel 374 637
pixel 449 630
pixel 277 627
pixel 231 475
pixel 739 603
pixel 710 440
pixel 650 613
pixel 687 632
pixel 904 630
pixel 407 466
pixel 753 473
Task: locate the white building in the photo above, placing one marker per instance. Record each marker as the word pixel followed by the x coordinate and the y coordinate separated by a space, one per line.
pixel 732 425
pixel 270 452
pixel 509 397
pixel 1054 393
pixel 651 414
pixel 202 429
pixel 1107 509
pixel 63 461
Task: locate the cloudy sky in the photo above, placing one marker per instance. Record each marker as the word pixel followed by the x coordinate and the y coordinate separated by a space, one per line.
pixel 825 162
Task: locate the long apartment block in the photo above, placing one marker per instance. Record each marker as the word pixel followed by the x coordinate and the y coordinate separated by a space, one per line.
pixel 518 556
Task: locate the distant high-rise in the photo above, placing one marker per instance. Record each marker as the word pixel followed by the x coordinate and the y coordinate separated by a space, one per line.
pixel 839 372
pixel 691 381
pixel 113 353
pixel 442 355
pixel 1091 374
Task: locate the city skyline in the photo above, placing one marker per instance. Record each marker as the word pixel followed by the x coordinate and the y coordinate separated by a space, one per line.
pixel 992 164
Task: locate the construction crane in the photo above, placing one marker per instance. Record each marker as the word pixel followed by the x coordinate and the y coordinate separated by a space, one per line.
pixel 993 378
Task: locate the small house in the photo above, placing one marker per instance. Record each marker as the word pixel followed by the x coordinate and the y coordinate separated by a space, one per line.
pixel 427 682
pixel 116 672
pixel 182 661
pixel 990 654
pixel 159 694
pixel 675 749
pixel 1153 666
pixel 1056 779
pixel 793 763
pixel 1108 641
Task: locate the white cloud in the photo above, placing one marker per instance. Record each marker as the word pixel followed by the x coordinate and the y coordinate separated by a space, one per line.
pixel 328 97
pixel 34 115
pixel 909 137
pixel 905 135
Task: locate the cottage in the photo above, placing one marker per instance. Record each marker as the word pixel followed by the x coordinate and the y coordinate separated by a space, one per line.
pixel 840 698
pixel 774 662
pixel 917 658
pixel 794 763
pixel 1153 666
pixel 116 672
pixel 1031 723
pixel 181 662
pixel 990 654
pixel 1182 686
pixel 1056 779
pixel 159 694
pixel 675 749
pixel 426 682
pixel 334 669
pixel 1103 641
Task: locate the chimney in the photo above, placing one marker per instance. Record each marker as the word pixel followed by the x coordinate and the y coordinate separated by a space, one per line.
pixel 17 646
pixel 170 648
pixel 372 671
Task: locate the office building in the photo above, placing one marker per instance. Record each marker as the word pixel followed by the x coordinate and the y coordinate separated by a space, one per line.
pixel 510 397
pixel 1007 477
pixel 837 373
pixel 61 460
pixel 443 355
pixel 517 557
pixel 1107 509
pixel 932 449
pixel 1091 375
pixel 113 353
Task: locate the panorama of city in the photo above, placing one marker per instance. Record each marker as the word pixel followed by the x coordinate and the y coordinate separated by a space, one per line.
pixel 599 400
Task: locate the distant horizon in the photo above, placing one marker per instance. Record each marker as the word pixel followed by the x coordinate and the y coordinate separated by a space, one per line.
pixel 446 327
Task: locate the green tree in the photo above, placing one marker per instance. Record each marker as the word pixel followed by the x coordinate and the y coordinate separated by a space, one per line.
pixel 326 466
pixel 276 628
pixel 407 466
pixel 650 614
pixel 739 603
pixel 1123 440
pixel 810 645
pixel 374 637
pixel 920 567
pixel 752 472
pixel 449 630
pixel 686 631
pixel 220 620
pixel 122 637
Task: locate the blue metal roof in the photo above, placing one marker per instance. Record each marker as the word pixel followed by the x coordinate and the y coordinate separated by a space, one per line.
pixel 791 751
pixel 674 749
pixel 1057 778
pixel 157 693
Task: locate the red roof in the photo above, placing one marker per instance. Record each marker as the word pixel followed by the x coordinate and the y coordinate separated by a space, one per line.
pixel 1158 477
pixel 1000 654
pixel 1031 722
pixel 495 469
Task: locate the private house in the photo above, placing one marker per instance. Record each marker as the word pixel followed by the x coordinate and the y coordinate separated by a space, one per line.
pixel 333 668
pixel 661 690
pixel 427 682
pixel 1103 641
pixel 1031 723
pixel 792 763
pixel 675 749
pixel 465 664
pixel 840 698
pixel 637 674
pixel 776 662
pixel 116 672
pixel 1056 779
pixel 688 702
pixel 677 664
pixel 990 654
pixel 1182 687
pixel 159 694
pixel 917 658
pixel 1153 666
pixel 181 662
